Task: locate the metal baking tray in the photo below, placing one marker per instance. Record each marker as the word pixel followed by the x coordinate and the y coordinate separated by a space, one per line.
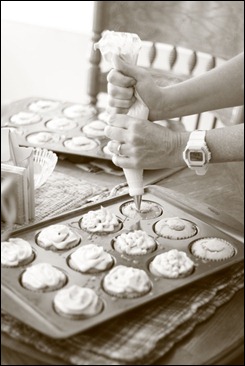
pixel 35 308
pixel 24 130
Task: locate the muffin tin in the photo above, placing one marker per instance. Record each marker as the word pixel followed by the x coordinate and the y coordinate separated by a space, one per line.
pixel 43 118
pixel 36 309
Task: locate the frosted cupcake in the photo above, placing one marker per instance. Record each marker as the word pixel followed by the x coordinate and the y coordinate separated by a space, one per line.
pixel 172 264
pixel 148 210
pixel 127 282
pixel 43 277
pixel 77 302
pixel 42 138
pixel 16 252
pixel 101 221
pixel 95 129
pixel 80 143
pixel 58 237
pixel 25 118
pixel 175 228
pixel 43 105
pixel 212 249
pixel 136 242
pixel 79 111
pixel 90 258
pixel 59 123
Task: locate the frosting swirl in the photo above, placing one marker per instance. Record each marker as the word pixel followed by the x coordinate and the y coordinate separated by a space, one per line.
pixel 41 276
pixel 91 257
pixel 95 128
pixel 41 138
pixel 79 110
pixel 101 220
pixel 212 249
pixel 175 228
pixel 136 242
pixel 25 118
pixel 77 300
pixel 43 105
pixel 171 264
pixel 80 143
pixel 148 210
pixel 61 124
pixel 15 251
pixel 58 236
pixel 127 281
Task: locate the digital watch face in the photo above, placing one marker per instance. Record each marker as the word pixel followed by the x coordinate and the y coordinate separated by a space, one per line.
pixel 196 158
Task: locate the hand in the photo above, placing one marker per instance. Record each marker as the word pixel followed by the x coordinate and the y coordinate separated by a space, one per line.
pixel 122 83
pixel 144 145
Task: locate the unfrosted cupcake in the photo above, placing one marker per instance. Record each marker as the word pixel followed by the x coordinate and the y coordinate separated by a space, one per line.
pixel 16 252
pixel 79 111
pixel 101 221
pixel 172 264
pixel 136 242
pixel 58 237
pixel 127 282
pixel 43 277
pixel 212 249
pixel 148 210
pixel 90 258
pixel 95 129
pixel 175 228
pixel 77 302
pixel 80 143
pixel 43 105
pixel 42 138
pixel 61 123
pixel 25 118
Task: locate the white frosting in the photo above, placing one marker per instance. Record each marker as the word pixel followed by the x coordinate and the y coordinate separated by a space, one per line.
pixel 148 210
pixel 58 236
pixel 79 110
pixel 15 251
pixel 90 257
pixel 25 118
pixel 124 280
pixel 104 116
pixel 99 221
pixel 95 129
pixel 59 123
pixel 41 138
pixel 77 300
pixel 41 276
pixel 43 105
pixel 135 243
pixel 80 143
pixel 175 228
pixel 212 249
pixel 171 264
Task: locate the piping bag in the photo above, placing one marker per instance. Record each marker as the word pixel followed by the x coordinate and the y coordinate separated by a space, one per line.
pixel 127 46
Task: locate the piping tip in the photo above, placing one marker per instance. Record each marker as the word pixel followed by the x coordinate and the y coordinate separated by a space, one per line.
pixel 137 202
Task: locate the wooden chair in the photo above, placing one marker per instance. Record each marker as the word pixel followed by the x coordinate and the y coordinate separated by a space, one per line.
pixel 181 39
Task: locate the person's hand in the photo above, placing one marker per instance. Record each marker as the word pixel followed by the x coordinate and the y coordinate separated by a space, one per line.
pixel 122 83
pixel 144 145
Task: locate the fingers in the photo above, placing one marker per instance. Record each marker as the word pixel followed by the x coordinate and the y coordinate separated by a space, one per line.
pixel 116 78
pixel 120 92
pixel 117 148
pixel 128 69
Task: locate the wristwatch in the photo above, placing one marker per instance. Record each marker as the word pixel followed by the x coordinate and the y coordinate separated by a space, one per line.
pixel 196 154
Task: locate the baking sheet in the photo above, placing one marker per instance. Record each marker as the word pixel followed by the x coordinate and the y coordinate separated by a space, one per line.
pixel 36 309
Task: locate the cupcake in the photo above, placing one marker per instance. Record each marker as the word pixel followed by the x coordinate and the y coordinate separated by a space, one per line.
pixel 58 237
pixel 43 105
pixel 80 143
pixel 25 118
pixel 42 138
pixel 90 258
pixel 16 252
pixel 43 277
pixel 212 249
pixel 59 123
pixel 172 264
pixel 79 111
pixel 136 242
pixel 148 210
pixel 175 228
pixel 101 221
pixel 95 129
pixel 77 302
pixel 126 282
pixel 104 116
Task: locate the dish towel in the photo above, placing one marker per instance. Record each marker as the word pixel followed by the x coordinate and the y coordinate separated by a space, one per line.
pixel 144 335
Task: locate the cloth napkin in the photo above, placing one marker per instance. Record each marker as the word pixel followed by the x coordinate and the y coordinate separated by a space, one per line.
pixel 143 335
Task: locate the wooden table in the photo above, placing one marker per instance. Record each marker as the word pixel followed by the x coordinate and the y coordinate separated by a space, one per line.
pixel 219 340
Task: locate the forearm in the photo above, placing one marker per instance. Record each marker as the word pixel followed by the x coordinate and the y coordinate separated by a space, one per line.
pixel 221 87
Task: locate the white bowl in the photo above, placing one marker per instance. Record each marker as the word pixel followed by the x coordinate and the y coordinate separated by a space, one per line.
pixel 44 162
